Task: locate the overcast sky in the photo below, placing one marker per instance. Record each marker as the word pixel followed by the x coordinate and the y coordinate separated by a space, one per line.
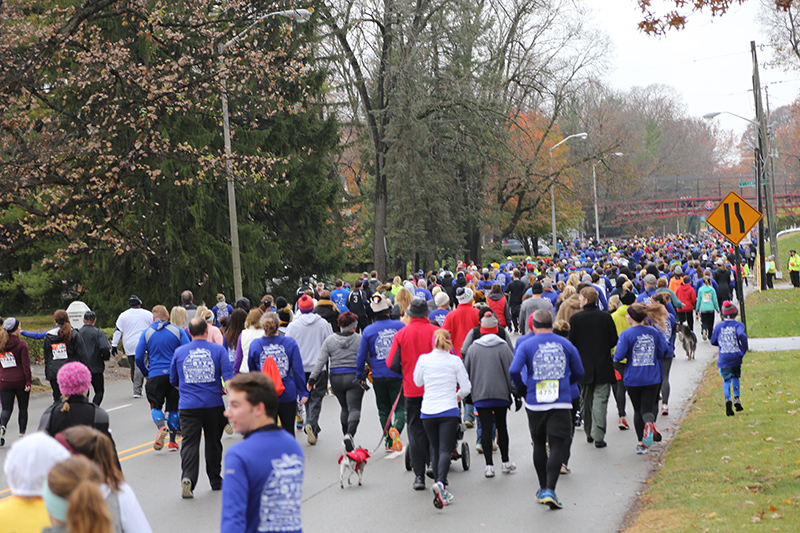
pixel 709 62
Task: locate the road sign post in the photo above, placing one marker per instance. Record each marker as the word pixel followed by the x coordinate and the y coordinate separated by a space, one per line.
pixel 734 218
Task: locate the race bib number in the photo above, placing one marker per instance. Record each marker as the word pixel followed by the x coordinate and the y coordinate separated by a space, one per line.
pixel 707 298
pixel 7 360
pixel 547 391
pixel 59 351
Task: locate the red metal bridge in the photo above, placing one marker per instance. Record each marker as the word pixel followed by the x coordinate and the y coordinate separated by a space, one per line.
pixel 636 211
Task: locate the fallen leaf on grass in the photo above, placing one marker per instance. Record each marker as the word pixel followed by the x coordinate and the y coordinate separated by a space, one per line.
pixel 725 459
pixel 772 508
pixel 748 502
pixel 709 516
pixel 769 439
pixel 788 502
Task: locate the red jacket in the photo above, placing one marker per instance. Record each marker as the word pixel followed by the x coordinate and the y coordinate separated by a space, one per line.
pixel 408 344
pixel 499 308
pixel 460 322
pixel 687 296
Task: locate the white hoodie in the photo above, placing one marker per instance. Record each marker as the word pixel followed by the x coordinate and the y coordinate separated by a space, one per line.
pixel 309 332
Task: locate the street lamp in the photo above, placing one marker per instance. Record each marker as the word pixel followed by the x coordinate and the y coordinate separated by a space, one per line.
pixel 594 186
pixel 582 135
pixel 761 170
pixel 297 15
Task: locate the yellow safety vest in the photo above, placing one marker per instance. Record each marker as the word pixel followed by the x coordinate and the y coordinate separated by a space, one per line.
pixel 794 263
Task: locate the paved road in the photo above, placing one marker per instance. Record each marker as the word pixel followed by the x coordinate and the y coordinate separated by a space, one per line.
pixel 599 492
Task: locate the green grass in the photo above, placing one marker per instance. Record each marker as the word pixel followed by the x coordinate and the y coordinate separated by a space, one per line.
pixel 773 313
pixel 731 474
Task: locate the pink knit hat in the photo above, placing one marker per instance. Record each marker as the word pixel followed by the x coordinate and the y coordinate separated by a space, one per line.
pixel 74 378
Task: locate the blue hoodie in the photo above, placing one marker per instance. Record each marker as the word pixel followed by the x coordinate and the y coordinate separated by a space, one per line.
pixel 546 358
pixel 286 354
pixel 198 369
pixel 263 483
pixel 376 340
pixel 644 347
pixel 164 339
pixel 729 335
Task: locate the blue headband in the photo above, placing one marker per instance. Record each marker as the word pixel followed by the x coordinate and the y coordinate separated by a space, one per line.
pixel 56 505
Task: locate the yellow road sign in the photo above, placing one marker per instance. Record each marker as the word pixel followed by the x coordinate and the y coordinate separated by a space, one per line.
pixel 734 217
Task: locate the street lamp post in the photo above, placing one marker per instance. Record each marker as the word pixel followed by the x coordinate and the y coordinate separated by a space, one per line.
pixel 298 15
pixel 582 135
pixel 594 186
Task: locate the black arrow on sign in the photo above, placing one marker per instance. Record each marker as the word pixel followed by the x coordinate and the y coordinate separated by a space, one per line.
pixel 727 213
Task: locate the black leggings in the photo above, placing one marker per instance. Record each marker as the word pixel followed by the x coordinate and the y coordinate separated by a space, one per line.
pixel 485 415
pixel 442 435
pixel 644 400
pixel 667 365
pixel 687 317
pixel 56 390
pixel 349 393
pixel 619 389
pixel 548 468
pixel 98 384
pixel 707 320
pixel 7 399
pixel 286 412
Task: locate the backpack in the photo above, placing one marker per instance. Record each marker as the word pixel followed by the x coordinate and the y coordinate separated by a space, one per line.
pixel 270 369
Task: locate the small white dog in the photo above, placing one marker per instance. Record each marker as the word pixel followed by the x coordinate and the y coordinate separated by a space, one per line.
pixel 352 462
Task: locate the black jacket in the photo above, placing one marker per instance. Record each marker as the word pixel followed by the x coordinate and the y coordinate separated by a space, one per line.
pixel 54 347
pixel 97 347
pixel 328 310
pixel 594 335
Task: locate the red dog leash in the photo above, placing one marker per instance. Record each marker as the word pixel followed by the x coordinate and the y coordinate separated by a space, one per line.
pixel 389 420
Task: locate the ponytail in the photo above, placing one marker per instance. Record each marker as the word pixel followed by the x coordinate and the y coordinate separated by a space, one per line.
pixel 270 322
pixel 442 340
pixel 655 312
pixel 87 511
pixel 61 318
pixel 3 339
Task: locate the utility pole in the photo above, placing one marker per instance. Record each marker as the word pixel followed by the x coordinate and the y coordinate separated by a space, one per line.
pixel 763 145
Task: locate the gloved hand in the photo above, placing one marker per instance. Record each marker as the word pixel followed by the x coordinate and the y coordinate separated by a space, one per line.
pixel 114 351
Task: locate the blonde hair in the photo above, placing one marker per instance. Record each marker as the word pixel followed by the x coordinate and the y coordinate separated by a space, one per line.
pixel 573 280
pixel 78 480
pixel 96 446
pixel 253 318
pixel 656 312
pixel 442 340
pixel 160 312
pixel 178 316
pixel 613 303
pixel 403 299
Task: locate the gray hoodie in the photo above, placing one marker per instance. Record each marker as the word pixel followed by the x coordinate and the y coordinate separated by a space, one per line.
pixel 487 361
pixel 338 351
pixel 309 332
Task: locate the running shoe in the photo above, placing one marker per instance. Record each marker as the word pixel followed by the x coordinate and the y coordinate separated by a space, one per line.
pixel 550 499
pixel 173 447
pixel 163 433
pixel 664 410
pixel 539 493
pixel 448 496
pixel 623 423
pixel 349 445
pixel 2 435
pixel 137 396
pixel 508 467
pixel 312 438
pixel 438 491
pixel 649 430
pixel 488 471
pixel 469 424
pixel 186 488
pixel 641 449
pixel 656 436
pixel 479 448
pixel 737 403
pixel 729 408
pixel 397 445
pixel 229 429
pixel 565 470
pixel 494 446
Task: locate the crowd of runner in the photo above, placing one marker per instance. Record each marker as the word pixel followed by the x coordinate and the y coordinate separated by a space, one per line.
pixel 439 350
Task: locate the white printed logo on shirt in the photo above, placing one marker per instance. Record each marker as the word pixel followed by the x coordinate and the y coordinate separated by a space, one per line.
pixel 728 341
pixel 232 354
pixel 383 343
pixel 7 360
pixel 59 351
pixel 644 351
pixel 549 361
pixel 278 353
pixel 280 499
pixel 198 367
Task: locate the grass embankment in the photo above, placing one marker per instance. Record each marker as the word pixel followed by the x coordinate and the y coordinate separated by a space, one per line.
pixel 790 241
pixel 774 313
pixel 733 473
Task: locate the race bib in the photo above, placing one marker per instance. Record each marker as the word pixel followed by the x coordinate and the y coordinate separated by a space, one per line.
pixel 59 351
pixel 547 391
pixel 7 360
pixel 707 297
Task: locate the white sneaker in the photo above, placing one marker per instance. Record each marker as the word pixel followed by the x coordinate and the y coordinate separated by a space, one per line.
pixel 489 471
pixel 508 467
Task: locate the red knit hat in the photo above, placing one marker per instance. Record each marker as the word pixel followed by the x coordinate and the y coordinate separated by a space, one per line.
pixel 305 304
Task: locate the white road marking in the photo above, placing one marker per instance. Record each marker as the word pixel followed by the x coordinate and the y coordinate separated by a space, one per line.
pixel 119 407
